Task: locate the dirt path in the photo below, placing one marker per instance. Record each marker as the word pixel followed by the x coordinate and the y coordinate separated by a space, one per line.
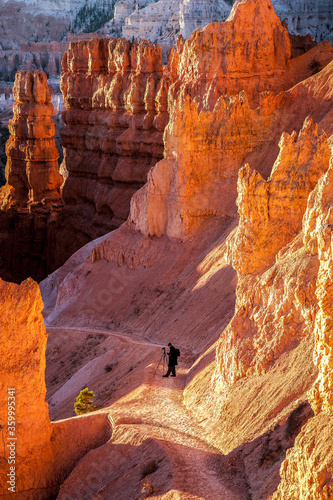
pixel 153 411
pixel 123 336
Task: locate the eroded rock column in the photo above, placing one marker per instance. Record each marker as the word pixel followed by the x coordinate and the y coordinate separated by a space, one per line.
pixel 32 170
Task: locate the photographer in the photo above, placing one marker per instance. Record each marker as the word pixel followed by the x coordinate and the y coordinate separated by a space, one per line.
pixel 172 361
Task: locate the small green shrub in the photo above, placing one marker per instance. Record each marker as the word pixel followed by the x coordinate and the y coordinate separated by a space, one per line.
pixel 84 402
pixel 108 368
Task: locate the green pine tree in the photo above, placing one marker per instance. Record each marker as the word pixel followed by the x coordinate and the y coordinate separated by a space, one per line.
pixel 84 402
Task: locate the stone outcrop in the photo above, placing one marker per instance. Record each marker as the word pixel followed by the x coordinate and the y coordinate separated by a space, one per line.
pixel 150 21
pixel 115 96
pixel 306 472
pixel 37 454
pixel 197 177
pixel 277 206
pixel 196 14
pixel 21 318
pixel 282 252
pixel 259 333
pixel 163 21
pixel 313 16
pixel 254 400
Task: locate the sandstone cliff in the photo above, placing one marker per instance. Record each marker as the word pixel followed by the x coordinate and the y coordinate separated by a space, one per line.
pixel 197 177
pixel 248 379
pixel 115 96
pixel 307 468
pixel 35 455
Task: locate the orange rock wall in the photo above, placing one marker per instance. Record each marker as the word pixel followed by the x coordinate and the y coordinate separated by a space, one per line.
pixel 277 206
pixel 42 453
pixel 282 251
pixel 307 469
pixel 22 368
pixel 215 125
pixel 114 93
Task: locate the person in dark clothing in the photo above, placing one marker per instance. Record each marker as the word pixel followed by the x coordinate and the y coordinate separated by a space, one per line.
pixel 172 361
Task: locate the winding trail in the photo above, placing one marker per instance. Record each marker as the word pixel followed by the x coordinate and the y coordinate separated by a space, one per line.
pixel 136 339
pixel 154 410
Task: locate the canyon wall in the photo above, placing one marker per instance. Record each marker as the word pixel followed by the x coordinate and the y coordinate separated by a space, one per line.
pixel 282 253
pixel 115 95
pixel 247 132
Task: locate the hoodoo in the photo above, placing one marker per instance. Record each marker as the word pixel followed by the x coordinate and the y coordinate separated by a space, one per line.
pixel 31 198
pixel 114 93
pixel 32 170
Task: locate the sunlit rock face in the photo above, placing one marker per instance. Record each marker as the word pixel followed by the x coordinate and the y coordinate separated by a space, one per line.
pixel 114 92
pixel 276 302
pixel 36 455
pixel 23 344
pixel 215 124
pixel 282 251
pixel 306 471
pixel 32 171
pixel 277 206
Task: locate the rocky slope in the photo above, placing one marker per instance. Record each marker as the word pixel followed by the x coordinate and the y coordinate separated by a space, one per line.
pixel 246 297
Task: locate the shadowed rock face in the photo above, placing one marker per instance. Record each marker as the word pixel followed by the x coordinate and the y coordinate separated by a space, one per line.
pixel 115 96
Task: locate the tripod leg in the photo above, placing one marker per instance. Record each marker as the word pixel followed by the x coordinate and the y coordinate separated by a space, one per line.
pixel 159 364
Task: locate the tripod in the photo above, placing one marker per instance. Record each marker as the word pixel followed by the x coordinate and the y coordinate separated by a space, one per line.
pixel 164 360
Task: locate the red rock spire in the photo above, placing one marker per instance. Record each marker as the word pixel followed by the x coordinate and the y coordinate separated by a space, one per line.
pixel 32 171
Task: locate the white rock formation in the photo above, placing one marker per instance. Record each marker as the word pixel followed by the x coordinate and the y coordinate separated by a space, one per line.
pixel 150 21
pixel 155 20
pixel 307 16
pixel 198 13
pixel 164 20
